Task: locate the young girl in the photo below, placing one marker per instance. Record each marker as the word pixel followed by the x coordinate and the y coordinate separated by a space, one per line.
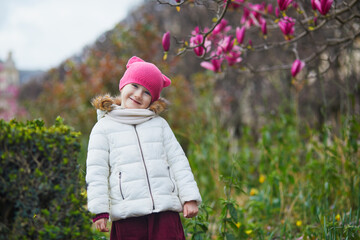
pixel 137 173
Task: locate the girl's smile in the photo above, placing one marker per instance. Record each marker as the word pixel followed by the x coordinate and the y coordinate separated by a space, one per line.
pixel 134 95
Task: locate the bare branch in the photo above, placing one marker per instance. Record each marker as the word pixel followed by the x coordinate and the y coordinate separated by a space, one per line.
pixel 346 41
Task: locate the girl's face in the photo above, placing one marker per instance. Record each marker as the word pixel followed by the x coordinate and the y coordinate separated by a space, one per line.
pixel 134 95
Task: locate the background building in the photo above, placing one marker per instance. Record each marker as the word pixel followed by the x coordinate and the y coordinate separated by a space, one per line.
pixel 9 89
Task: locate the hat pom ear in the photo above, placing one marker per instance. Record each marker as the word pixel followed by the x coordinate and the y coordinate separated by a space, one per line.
pixel 133 60
pixel 167 80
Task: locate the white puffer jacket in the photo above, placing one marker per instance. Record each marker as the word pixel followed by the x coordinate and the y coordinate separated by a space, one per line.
pixel 135 170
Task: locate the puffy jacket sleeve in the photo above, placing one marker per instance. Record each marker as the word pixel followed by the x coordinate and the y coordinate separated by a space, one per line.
pixel 97 171
pixel 188 189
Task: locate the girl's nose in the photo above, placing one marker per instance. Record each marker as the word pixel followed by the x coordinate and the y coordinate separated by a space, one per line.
pixel 138 93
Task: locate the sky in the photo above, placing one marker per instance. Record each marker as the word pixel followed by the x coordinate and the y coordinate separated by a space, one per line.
pixel 42 33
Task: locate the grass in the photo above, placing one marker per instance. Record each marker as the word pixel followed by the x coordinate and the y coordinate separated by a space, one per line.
pixel 290 183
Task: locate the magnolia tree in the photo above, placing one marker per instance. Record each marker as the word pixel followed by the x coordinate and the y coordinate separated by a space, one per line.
pixel 282 25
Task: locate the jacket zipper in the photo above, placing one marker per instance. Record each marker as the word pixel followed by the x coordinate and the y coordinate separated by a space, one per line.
pixel 122 195
pixel 171 179
pixel 147 175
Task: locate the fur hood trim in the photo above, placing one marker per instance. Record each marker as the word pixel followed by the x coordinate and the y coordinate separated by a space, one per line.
pixel 105 103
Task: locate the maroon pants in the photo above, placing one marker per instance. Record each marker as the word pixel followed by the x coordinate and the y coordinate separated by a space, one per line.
pixel 156 226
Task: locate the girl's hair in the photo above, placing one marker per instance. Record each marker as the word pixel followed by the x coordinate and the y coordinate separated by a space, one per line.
pixel 107 103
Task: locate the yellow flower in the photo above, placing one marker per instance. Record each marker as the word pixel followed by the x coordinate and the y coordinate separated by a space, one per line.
pixel 253 191
pixel 262 178
pixel 248 232
pixel 238 224
pixel 34 216
pixel 298 223
pixel 337 217
pixel 83 192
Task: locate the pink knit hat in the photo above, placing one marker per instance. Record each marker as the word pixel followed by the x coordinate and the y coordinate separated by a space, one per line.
pixel 146 74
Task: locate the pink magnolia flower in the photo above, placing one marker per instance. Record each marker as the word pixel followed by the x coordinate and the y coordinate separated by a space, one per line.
pixel 233 56
pixel 315 21
pixel 214 65
pixel 283 4
pixel 226 44
pixel 197 40
pixel 252 15
pixel 221 27
pixel 240 34
pixel 195 31
pixel 277 12
pixel 269 8
pixel 296 67
pixel 166 41
pixel 323 6
pixel 257 8
pixel 313 5
pixel 286 25
pixel 264 28
pixel 245 17
pixel 295 5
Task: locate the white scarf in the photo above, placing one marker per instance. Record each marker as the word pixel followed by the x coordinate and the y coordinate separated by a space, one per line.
pixel 126 115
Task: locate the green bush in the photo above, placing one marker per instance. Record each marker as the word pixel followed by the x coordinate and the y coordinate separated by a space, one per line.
pixel 40 188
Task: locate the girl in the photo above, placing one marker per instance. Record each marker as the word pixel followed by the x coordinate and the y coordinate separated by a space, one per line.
pixel 137 173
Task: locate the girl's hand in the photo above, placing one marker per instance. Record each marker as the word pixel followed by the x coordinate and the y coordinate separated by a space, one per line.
pixel 100 225
pixel 190 209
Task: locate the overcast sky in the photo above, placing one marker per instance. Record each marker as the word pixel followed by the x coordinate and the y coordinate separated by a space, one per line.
pixel 43 33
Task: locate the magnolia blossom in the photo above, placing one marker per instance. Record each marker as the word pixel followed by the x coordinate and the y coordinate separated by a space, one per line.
pixel 257 8
pixel 286 25
pixel 226 44
pixel 313 6
pixel 252 15
pixel 221 27
pixel 197 40
pixel 269 8
pixel 226 49
pixel 296 67
pixel 264 28
pixel 315 21
pixel 214 65
pixel 245 17
pixel 233 56
pixel 195 31
pixel 277 12
pixel 295 5
pixel 166 41
pixel 240 34
pixel 283 4
pixel 323 6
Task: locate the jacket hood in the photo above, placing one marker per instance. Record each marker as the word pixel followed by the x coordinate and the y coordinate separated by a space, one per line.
pixel 108 103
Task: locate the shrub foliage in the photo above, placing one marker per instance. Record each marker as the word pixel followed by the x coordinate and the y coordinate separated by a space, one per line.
pixel 40 190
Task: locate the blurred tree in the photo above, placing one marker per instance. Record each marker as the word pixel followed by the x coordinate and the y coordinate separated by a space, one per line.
pixel 327 87
pixel 259 40
pixel 303 29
